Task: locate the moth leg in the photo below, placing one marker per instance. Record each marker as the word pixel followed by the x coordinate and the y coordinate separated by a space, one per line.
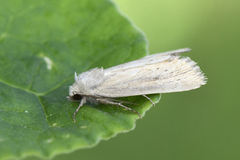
pixel 80 105
pixel 105 101
pixel 148 99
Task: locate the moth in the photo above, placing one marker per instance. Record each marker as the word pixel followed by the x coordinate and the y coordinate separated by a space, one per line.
pixel 158 73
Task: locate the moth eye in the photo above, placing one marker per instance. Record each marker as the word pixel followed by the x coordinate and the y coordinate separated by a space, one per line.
pixel 77 97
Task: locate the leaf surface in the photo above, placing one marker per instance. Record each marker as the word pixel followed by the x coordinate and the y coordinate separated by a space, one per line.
pixel 42 44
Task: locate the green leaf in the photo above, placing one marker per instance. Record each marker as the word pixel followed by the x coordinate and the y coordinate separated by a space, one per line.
pixel 42 44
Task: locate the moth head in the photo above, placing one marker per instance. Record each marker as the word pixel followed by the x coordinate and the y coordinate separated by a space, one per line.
pixel 74 93
pixel 75 97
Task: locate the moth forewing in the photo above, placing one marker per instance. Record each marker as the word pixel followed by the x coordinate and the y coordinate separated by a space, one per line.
pixel 158 73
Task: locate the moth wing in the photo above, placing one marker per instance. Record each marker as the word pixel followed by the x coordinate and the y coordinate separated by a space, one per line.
pixel 150 59
pixel 157 73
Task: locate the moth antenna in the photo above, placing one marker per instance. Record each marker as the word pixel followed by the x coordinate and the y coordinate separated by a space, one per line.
pixel 106 101
pixel 116 100
pixel 130 109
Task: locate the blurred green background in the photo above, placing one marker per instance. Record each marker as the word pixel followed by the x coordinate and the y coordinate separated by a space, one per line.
pixel 201 124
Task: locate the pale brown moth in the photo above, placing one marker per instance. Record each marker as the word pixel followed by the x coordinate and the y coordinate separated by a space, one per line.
pixel 158 73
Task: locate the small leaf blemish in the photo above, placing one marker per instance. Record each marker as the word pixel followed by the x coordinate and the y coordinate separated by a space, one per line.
pixel 83 127
pixel 49 140
pixel 47 60
pixel 67 136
